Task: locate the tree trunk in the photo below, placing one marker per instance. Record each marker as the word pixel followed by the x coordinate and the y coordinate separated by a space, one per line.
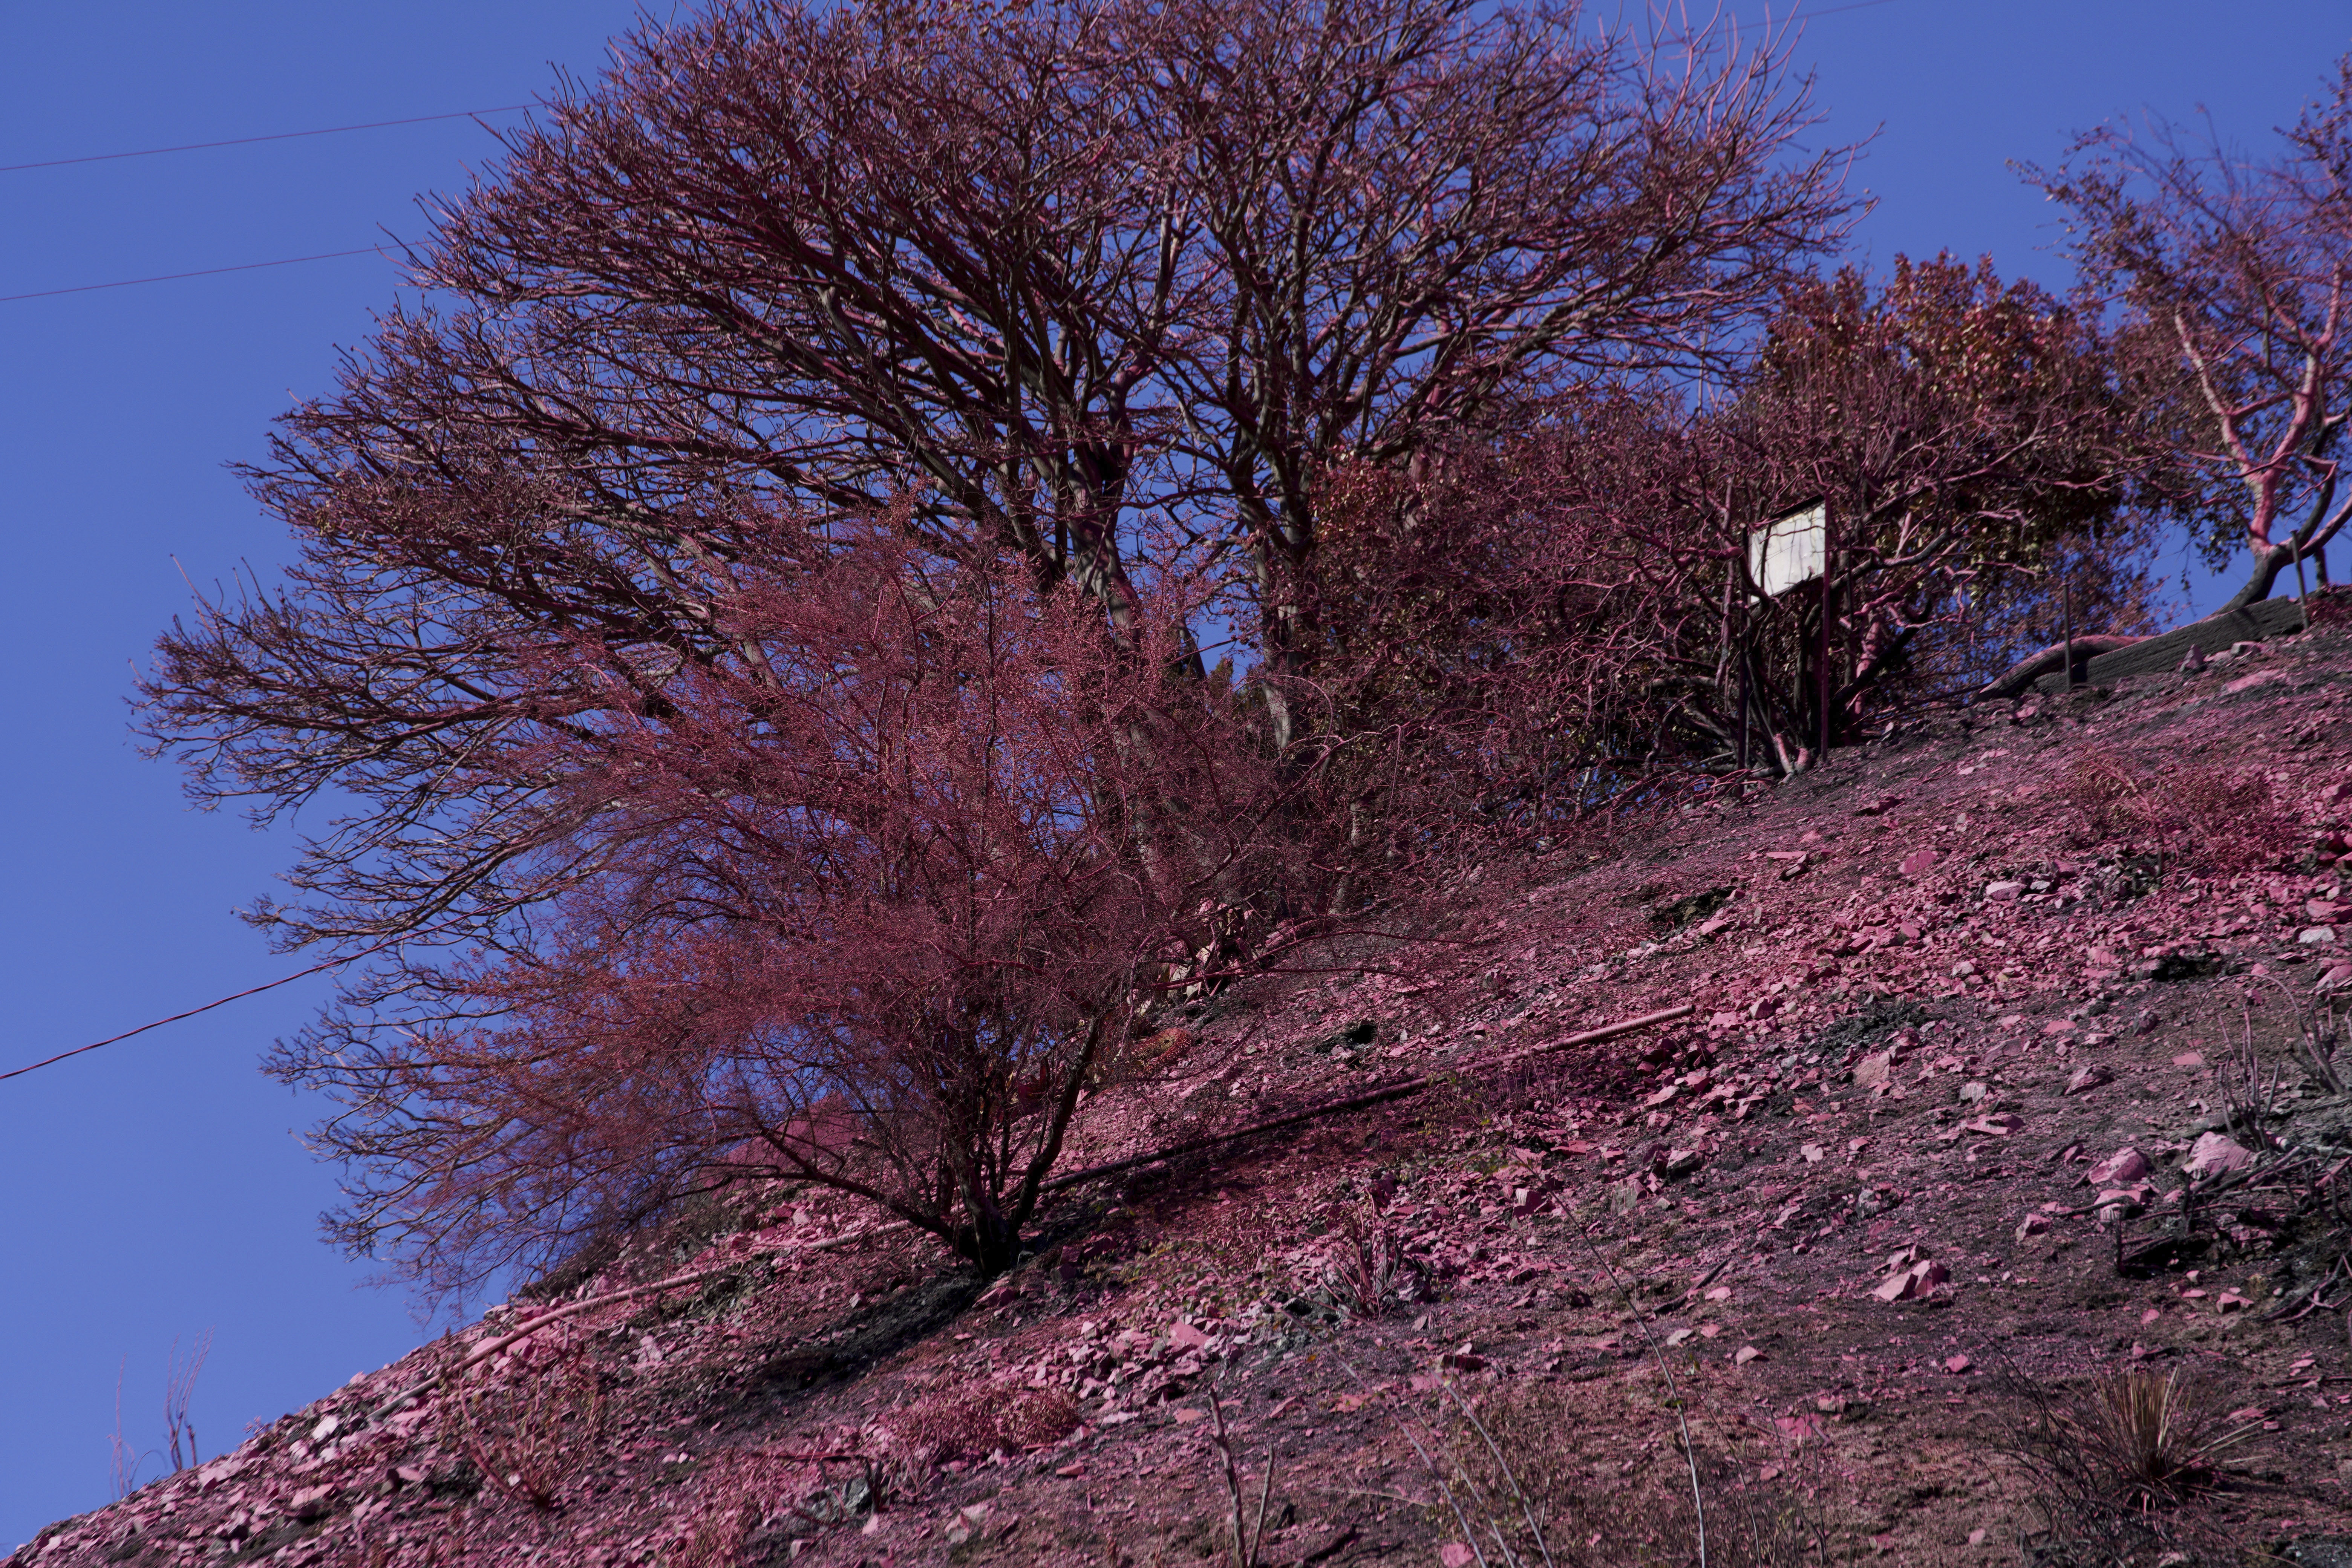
pixel 2268 565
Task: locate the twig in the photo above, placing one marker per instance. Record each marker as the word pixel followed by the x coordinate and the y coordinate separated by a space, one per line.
pixel 1429 1463
pixel 1247 1540
pixel 1682 1417
pixel 1527 1510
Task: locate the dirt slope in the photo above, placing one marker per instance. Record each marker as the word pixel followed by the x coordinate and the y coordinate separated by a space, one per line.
pixel 1964 1129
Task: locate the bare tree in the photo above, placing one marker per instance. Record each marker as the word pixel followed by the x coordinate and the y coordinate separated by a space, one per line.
pixel 1054 273
pixel 867 911
pixel 2231 275
pixel 1097 287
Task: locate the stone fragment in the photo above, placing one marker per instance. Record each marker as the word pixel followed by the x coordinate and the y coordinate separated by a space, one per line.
pixel 1745 1355
pixel 2216 1155
pixel 2032 1226
pixel 2087 1078
pixel 2123 1166
pixel 2122 1203
pixel 2190 1059
pixel 310 1502
pixel 2337 977
pixel 2316 936
pixel 1874 1069
pixel 2003 892
pixel 1957 1364
pixel 1913 1282
pixel 1918 863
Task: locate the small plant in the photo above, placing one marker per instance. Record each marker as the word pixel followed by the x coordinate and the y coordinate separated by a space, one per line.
pixel 2248 1092
pixel 179 1386
pixel 2318 1033
pixel 2137 1439
pixel 1372 1269
pixel 527 1438
pixel 180 1430
pixel 2223 820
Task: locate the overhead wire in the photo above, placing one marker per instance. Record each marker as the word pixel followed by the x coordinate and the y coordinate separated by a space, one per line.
pixel 290 261
pixel 200 272
pixel 274 136
pixel 421 119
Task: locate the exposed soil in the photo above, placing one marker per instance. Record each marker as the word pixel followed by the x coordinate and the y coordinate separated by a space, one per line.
pixel 1942 983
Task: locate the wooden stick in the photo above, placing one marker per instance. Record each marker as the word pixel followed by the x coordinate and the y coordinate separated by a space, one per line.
pixel 1360 1101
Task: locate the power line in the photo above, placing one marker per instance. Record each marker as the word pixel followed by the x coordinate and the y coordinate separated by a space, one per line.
pixel 276 136
pixel 200 272
pixel 381 124
pixel 223 1002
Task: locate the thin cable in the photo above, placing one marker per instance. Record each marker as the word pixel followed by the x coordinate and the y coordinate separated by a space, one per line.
pixel 368 952
pixel 201 272
pixel 266 985
pixel 278 136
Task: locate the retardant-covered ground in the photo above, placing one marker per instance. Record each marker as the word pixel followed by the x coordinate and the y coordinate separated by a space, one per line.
pixel 2003 1132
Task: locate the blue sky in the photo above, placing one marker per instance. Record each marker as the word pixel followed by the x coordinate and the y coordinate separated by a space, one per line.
pixel 159 1187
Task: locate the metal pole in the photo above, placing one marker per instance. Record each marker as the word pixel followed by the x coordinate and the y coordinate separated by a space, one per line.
pixel 2066 610
pixel 1828 562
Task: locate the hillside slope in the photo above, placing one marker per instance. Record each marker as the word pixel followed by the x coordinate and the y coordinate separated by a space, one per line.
pixel 1993 1097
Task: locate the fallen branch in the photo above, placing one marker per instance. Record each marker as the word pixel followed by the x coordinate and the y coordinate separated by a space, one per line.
pixel 2010 682
pixel 1360 1102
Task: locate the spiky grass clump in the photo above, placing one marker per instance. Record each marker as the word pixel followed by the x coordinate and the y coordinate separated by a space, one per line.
pixel 2141 1437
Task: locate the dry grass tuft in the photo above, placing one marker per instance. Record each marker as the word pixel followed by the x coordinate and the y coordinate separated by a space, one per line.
pixel 1534 1483
pixel 2144 1438
pixel 2205 814
pixel 971 1425
pixel 529 1436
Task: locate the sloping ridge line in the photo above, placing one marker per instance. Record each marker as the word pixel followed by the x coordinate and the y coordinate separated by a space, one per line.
pixel 1092 1172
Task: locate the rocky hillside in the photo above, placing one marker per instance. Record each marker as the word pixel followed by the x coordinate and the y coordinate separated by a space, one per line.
pixel 1989 1205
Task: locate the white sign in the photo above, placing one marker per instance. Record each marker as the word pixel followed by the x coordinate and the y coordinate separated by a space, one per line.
pixel 1789 549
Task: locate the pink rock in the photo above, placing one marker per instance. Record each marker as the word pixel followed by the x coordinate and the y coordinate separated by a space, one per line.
pixel 2123 1166
pixel 2088 1078
pixel 1745 1355
pixel 1918 863
pixel 1185 1337
pixel 1957 1364
pixel 1913 1283
pixel 2033 1224
pixel 2216 1155
pixel 1454 1554
pixel 1874 1069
